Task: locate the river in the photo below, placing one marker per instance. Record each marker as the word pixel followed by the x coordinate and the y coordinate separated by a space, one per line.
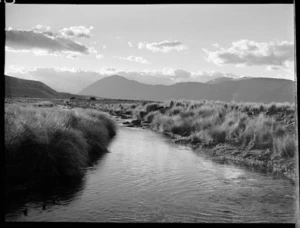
pixel 147 178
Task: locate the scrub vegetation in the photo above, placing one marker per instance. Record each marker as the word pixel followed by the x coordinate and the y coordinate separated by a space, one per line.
pixel 250 133
pixel 45 143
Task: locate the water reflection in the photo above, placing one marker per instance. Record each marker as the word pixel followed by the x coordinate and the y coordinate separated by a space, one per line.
pixel 45 197
pixel 96 161
pixel 17 204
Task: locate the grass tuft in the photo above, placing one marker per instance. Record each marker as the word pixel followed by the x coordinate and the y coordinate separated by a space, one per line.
pixel 49 143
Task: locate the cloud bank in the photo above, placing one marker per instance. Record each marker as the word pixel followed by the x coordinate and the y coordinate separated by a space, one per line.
pixel 41 41
pixel 163 46
pixel 276 55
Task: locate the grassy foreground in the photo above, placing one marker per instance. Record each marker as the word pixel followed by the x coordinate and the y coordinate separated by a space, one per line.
pixel 43 143
pixel 254 134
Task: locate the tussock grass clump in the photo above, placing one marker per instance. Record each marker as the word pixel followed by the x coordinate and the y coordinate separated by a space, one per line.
pixel 253 126
pixel 49 143
pixel 152 107
pixel 149 117
pixel 162 123
pixel 258 133
pixel 100 118
pixel 285 146
pixel 176 110
pixel 183 127
pixel 205 111
pixel 217 134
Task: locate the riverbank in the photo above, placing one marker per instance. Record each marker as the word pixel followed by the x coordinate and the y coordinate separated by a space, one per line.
pixel 46 144
pixel 252 134
pixel 255 135
pixel 228 153
pixel 147 178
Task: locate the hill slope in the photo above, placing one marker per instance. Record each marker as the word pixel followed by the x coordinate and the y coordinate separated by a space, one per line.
pixel 244 90
pixel 20 87
pixel 16 87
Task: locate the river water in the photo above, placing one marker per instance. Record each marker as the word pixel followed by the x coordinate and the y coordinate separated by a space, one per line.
pixel 147 178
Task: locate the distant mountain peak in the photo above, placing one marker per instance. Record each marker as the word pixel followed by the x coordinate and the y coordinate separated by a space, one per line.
pixel 115 76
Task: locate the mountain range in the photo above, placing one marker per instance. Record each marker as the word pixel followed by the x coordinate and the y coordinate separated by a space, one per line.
pixel 246 89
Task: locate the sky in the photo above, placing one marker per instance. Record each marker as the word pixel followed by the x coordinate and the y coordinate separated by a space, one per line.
pixel 68 47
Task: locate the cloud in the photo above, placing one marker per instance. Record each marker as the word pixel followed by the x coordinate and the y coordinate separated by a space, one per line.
pixel 216 45
pixel 251 53
pixel 42 42
pixel 41 28
pixel 106 71
pixel 270 68
pixel 130 44
pixel 99 56
pixel 163 46
pixel 135 59
pixel 287 72
pixel 76 31
pixel 74 80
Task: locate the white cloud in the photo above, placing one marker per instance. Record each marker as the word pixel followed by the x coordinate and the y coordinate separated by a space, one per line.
pixel 99 56
pixel 41 28
pixel 92 50
pixel 19 70
pixel 275 55
pixel 163 46
pixel 107 71
pixel 216 45
pixel 130 44
pixel 76 31
pixel 271 68
pixel 287 72
pixel 42 42
pixel 135 59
